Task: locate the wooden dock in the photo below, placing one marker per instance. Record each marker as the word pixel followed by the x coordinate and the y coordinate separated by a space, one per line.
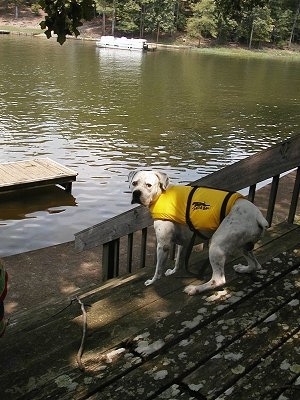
pixel 35 173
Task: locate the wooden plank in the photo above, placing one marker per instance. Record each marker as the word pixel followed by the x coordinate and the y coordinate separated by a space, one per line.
pixel 176 392
pixel 291 392
pixel 259 383
pixel 31 173
pixel 236 360
pixel 113 228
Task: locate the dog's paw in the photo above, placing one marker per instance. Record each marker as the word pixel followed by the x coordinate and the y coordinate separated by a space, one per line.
pixel 170 271
pixel 191 290
pixel 242 269
pixel 149 282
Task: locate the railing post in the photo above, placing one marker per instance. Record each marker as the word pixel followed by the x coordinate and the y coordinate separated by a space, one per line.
pixel 129 252
pixel 295 196
pixel 144 247
pixel 251 194
pixel 110 260
pixel 272 199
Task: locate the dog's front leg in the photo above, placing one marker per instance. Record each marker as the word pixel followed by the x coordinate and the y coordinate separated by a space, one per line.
pixel 164 231
pixel 162 252
pixel 180 260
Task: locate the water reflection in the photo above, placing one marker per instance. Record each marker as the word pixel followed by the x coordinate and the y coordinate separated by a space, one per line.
pixel 103 112
pixel 120 59
pixel 27 203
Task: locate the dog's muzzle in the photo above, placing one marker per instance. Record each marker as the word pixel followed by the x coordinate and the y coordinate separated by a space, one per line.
pixel 136 197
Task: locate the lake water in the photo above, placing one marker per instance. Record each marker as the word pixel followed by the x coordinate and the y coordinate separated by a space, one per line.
pixel 105 112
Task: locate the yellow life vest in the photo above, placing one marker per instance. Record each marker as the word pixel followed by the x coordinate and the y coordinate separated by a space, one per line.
pixel 202 208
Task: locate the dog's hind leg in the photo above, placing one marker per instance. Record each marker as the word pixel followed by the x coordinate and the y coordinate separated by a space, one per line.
pixel 252 263
pixel 217 259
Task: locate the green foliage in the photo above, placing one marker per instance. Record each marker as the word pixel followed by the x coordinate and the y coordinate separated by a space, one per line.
pixel 226 20
pixel 130 12
pixel 262 24
pixel 204 21
pixel 65 16
pixel 159 15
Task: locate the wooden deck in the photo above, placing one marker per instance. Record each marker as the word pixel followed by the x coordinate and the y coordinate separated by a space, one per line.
pixel 241 342
pixel 35 173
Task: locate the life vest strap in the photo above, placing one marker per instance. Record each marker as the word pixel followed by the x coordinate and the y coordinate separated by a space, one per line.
pixel 188 207
pixel 187 214
pixel 224 206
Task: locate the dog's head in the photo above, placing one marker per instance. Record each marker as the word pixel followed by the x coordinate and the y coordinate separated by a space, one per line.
pixel 146 186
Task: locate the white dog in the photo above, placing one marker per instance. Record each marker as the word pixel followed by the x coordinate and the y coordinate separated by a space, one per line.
pixel 232 222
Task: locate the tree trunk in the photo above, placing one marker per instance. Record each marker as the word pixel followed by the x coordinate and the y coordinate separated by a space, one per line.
pixel 113 20
pixel 251 35
pixel 103 23
pixel 157 34
pixel 177 13
pixel 142 22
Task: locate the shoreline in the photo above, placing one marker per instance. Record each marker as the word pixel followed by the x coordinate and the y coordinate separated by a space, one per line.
pixel 28 25
pixel 238 51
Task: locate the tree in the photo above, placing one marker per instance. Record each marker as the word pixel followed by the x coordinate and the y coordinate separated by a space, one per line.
pixel 282 27
pixel 130 14
pixel 104 8
pixel 204 21
pixel 159 16
pixel 262 25
pixel 226 27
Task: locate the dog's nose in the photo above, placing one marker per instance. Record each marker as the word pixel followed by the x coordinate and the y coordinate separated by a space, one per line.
pixel 136 194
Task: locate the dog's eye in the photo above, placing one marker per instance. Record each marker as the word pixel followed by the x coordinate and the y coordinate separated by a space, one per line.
pixel 148 185
pixel 134 183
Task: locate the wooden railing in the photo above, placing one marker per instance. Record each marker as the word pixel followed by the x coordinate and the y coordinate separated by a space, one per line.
pixel 245 174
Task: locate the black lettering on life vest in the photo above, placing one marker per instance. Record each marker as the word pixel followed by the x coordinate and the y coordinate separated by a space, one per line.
pixel 200 205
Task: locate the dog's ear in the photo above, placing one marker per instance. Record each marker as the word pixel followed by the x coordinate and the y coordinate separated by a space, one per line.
pixel 131 176
pixel 163 179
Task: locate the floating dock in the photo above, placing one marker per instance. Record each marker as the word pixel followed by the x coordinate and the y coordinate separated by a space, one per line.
pixel 35 173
